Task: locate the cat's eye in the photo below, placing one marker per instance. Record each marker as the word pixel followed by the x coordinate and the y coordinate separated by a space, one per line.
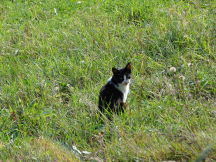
pixel 120 76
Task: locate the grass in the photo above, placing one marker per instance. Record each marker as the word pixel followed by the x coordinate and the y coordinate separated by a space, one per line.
pixel 56 55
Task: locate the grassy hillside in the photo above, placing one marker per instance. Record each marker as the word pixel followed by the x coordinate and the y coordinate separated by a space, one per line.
pixel 56 55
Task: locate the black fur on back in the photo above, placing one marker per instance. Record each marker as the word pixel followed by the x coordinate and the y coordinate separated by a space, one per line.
pixel 110 99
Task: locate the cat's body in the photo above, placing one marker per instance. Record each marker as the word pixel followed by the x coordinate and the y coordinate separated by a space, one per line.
pixel 113 94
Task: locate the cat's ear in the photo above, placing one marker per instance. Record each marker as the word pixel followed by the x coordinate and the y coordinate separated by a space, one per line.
pixel 128 67
pixel 114 70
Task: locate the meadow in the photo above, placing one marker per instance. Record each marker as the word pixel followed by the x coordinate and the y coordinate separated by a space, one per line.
pixel 56 55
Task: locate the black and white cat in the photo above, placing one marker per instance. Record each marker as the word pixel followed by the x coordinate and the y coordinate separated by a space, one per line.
pixel 113 94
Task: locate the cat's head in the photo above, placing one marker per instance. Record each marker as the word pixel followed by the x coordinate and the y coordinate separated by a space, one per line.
pixel 122 76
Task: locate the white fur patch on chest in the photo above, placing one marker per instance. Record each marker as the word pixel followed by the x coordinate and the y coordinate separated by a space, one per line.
pixel 124 89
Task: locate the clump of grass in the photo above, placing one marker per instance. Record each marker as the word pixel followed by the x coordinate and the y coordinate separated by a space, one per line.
pixel 36 149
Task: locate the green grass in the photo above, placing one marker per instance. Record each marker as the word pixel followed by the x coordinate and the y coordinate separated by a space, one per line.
pixel 56 55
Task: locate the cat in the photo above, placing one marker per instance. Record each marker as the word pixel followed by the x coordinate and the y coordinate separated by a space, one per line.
pixel 113 95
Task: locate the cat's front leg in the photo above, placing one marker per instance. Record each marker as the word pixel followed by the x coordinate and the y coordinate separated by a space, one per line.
pixel 122 107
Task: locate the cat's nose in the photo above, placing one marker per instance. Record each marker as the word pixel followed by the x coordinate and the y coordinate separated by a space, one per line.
pixel 127 81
